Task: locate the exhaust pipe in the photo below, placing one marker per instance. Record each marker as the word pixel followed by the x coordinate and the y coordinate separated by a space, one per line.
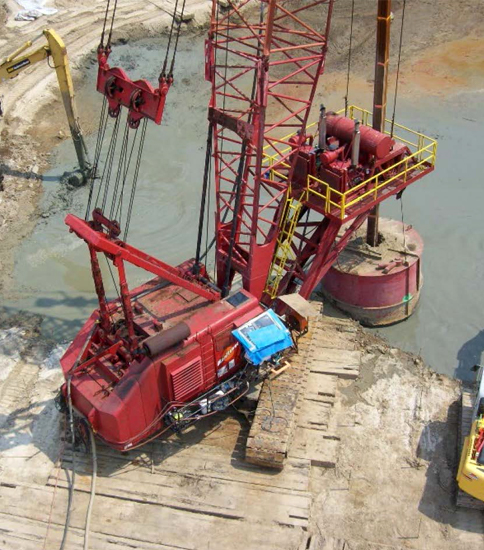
pixel 355 151
pixel 322 128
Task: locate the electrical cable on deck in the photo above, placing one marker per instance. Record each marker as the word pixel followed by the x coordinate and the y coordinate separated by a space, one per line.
pixel 73 478
pixel 93 487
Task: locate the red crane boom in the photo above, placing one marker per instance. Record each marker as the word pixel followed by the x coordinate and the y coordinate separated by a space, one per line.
pixel 264 65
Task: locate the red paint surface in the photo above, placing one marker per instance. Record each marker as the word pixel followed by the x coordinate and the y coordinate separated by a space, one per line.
pixel 369 287
pixel 124 401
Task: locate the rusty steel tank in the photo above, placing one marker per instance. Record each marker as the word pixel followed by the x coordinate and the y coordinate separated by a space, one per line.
pixel 379 285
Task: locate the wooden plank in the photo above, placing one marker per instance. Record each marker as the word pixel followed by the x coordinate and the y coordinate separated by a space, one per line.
pixel 315 446
pixel 145 524
pixel 314 415
pixel 347 356
pixel 321 387
pixel 204 496
pixel 336 369
pixel 180 464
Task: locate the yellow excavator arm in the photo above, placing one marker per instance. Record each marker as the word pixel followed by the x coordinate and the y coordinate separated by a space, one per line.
pixel 55 49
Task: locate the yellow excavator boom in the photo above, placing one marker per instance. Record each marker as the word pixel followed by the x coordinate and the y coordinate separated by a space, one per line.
pixel 55 49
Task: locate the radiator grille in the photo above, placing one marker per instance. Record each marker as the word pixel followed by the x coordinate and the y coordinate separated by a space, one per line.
pixel 187 380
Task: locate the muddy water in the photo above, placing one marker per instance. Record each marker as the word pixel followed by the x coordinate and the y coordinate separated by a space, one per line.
pixel 447 329
pixel 52 267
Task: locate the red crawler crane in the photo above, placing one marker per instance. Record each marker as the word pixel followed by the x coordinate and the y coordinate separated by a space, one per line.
pixel 163 355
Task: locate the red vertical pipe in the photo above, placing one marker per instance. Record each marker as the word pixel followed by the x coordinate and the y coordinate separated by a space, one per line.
pixel 98 284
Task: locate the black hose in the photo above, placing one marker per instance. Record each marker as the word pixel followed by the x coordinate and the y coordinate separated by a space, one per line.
pixel 201 220
pixel 73 478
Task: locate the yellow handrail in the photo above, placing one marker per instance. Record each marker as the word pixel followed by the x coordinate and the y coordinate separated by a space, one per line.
pixel 424 150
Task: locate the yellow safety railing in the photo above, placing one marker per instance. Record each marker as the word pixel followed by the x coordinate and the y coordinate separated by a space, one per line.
pixel 423 153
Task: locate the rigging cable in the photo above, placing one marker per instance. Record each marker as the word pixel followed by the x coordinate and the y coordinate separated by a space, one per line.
pixel 165 63
pixel 349 57
pixel 135 177
pixel 254 82
pixel 119 210
pixel 403 230
pixel 206 175
pixel 103 121
pixel 108 45
pixel 180 20
pixel 398 68
pixel 121 164
pixel 101 43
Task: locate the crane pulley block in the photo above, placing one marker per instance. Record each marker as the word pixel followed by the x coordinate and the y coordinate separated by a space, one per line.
pixel 140 98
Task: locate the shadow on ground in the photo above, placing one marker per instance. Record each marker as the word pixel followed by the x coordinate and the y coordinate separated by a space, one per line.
pixel 469 355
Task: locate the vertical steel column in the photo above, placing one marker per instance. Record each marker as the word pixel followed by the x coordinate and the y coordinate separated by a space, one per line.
pixel 380 95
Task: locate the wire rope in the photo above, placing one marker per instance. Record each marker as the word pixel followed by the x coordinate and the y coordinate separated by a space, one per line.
pixel 349 57
pixel 398 68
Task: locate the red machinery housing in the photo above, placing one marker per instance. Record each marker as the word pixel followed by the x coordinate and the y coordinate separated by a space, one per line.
pixel 140 358
pixel 126 402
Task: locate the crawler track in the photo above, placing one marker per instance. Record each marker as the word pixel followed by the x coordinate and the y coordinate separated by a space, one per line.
pixel 303 397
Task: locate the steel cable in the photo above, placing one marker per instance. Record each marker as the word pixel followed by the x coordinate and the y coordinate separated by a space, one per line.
pixel 349 57
pixel 97 154
pixel 101 44
pixel 165 63
pixel 119 209
pixel 112 24
pixel 121 164
pixel 398 68
pixel 172 67
pixel 135 178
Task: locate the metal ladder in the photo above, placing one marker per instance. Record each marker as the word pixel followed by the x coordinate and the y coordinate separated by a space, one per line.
pixel 288 226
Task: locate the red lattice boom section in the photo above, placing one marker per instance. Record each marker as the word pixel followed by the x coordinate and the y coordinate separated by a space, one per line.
pixel 264 60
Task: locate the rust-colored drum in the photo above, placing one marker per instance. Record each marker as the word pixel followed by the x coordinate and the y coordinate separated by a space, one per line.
pixel 381 285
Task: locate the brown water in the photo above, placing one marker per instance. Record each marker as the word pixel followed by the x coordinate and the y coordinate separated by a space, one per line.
pixel 52 266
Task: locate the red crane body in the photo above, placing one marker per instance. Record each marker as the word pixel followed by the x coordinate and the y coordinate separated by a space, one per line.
pixel 163 355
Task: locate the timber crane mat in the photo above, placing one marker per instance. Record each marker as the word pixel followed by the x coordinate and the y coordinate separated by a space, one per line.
pixel 303 395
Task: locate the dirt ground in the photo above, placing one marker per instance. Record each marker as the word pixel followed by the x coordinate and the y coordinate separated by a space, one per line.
pixel 393 486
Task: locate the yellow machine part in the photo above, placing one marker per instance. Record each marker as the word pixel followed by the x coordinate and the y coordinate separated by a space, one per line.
pixel 55 49
pixel 470 476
